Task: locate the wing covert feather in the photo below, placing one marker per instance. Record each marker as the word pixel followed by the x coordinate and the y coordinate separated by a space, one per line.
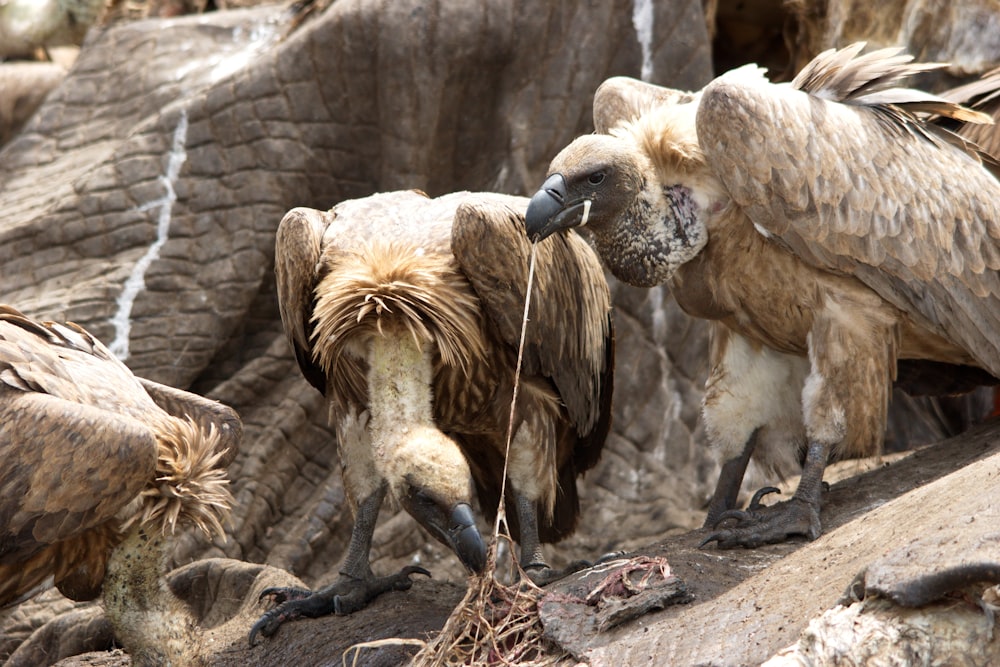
pixel 849 188
pixel 298 246
pixel 569 336
pixel 622 99
pixel 56 484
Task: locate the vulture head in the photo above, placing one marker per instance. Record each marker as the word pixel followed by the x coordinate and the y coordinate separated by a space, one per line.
pixel 429 476
pixel 645 197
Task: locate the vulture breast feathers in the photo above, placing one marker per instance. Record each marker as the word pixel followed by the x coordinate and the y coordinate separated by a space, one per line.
pixel 405 311
pixel 89 449
pixel 828 227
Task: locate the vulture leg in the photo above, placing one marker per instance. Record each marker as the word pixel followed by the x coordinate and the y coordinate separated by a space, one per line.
pixel 845 402
pixel 531 547
pixel 353 590
pixel 760 524
pixel 728 487
pixel 532 561
pixel 752 408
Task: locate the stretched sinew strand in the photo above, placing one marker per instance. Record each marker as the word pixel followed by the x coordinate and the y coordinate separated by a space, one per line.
pixel 501 514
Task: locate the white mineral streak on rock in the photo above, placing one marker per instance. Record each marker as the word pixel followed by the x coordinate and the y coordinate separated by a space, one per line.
pixel 642 19
pixel 164 205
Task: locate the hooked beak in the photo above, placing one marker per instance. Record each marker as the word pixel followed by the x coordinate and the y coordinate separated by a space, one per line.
pixel 465 538
pixel 548 211
pixel 455 528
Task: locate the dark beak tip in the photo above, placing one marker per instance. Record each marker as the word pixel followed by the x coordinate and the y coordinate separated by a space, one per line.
pixel 473 553
pixel 538 218
pixel 467 542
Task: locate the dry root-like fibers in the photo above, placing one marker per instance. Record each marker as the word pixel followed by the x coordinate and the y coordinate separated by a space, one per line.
pixel 494 624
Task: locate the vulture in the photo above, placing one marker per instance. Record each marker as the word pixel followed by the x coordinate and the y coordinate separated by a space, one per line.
pixel 406 312
pixel 99 469
pixel 831 231
pixel 26 25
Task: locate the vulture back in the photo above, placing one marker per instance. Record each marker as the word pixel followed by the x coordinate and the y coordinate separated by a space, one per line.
pixel 453 271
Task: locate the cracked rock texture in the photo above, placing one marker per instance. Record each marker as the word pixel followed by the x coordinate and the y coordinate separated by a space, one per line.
pixel 141 200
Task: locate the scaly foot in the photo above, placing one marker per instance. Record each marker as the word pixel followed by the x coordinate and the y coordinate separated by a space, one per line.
pixel 760 524
pixel 344 596
pixel 543 575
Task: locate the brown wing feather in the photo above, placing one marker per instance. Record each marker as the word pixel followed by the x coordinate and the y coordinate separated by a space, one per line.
pixel 916 220
pixel 569 337
pixel 81 443
pixel 298 246
pixel 983 94
pixel 56 483
pixel 622 99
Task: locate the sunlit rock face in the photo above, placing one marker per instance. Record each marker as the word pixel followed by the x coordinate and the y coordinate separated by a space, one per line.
pixel 142 198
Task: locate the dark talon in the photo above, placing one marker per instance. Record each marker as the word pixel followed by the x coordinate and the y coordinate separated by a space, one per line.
pixel 750 513
pixel 281 594
pixel 413 569
pixel 717 535
pixel 255 629
pixel 542 575
pixel 755 501
pixel 345 596
pixel 268 624
pixel 610 556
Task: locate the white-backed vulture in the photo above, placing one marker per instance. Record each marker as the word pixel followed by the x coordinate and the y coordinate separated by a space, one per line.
pixel 99 468
pixel 26 25
pixel 406 313
pixel 826 227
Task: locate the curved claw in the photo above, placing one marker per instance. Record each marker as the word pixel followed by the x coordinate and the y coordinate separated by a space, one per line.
pixel 739 515
pixel 269 622
pixel 750 513
pixel 543 575
pixel 413 569
pixel 610 556
pixel 755 501
pixel 712 537
pixel 266 625
pixel 279 594
pixel 254 630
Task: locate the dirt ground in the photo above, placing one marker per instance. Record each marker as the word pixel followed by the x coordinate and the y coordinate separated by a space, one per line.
pixel 705 576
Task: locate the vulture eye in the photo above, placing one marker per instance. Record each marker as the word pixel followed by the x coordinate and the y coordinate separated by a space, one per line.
pixel 596 178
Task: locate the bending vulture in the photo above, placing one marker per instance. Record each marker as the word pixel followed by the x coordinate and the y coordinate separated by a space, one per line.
pixel 99 468
pixel 829 229
pixel 406 313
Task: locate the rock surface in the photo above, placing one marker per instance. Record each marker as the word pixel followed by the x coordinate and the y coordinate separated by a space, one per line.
pixel 141 201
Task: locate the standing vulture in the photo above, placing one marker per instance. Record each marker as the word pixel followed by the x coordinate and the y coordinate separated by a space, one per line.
pixel 826 227
pixel 406 313
pixel 98 469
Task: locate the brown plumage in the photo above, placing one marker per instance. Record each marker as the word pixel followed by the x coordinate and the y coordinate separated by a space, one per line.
pixel 405 312
pixel 829 230
pixel 26 25
pixel 93 457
